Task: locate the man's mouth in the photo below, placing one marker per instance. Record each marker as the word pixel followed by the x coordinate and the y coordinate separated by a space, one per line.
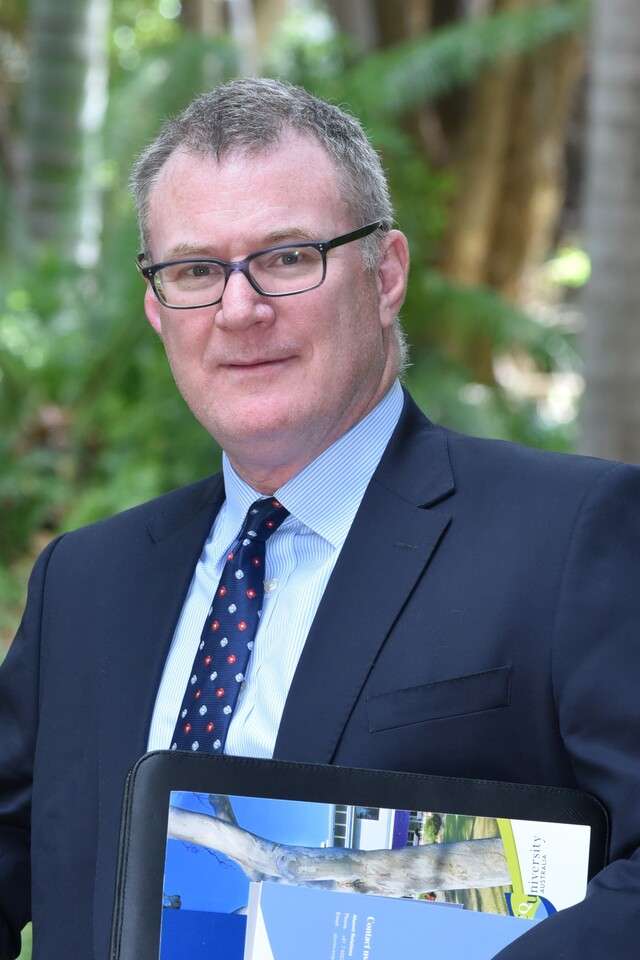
pixel 254 364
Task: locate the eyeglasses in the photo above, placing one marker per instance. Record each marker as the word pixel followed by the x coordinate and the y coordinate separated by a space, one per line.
pixel 280 271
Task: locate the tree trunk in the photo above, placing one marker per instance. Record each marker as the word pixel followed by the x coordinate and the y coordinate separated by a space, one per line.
pixel 509 170
pixel 357 19
pixel 611 415
pixel 64 106
pixel 509 167
pixel 203 16
pixel 376 24
pixel 533 165
pixel 398 22
pixel 407 872
pixel 478 168
pixel 480 158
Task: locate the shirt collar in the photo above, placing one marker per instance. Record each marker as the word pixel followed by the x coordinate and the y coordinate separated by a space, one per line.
pixel 326 494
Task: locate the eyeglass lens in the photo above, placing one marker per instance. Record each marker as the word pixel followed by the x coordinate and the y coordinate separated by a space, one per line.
pixel 276 272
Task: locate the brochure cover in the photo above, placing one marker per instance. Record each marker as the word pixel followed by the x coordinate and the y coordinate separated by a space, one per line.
pixel 286 922
pixel 501 874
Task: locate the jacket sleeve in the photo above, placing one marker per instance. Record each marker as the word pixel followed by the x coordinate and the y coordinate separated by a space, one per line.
pixel 596 675
pixel 18 726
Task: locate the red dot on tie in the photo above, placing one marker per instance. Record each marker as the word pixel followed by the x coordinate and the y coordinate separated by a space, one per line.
pixel 207 660
pixel 187 728
pixel 231 658
pixel 222 592
pixel 242 625
pixel 210 726
pixel 276 504
pixel 215 625
pixel 230 555
pixel 255 561
pixel 220 692
pixel 270 524
pixel 197 694
pixel 251 593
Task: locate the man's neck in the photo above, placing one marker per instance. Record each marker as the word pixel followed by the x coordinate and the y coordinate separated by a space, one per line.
pixel 267 472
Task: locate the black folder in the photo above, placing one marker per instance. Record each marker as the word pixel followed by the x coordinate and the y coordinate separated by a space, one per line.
pixel 138 903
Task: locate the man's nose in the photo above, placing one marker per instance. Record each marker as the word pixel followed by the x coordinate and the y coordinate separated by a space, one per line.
pixel 241 305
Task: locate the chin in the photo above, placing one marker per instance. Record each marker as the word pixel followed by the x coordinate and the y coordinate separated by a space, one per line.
pixel 255 425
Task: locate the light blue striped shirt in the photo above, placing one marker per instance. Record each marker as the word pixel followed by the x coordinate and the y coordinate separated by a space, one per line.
pixel 322 501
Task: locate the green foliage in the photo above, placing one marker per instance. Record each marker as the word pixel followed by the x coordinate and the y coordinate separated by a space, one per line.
pixel 446 321
pixel 386 84
pixel 426 68
pixel 90 421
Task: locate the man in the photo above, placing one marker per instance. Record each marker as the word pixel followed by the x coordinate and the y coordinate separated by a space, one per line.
pixel 430 602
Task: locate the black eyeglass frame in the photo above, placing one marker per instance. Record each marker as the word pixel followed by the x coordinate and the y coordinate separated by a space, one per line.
pixel 242 266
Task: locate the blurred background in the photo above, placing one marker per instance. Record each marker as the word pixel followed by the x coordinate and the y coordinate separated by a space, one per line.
pixel 510 130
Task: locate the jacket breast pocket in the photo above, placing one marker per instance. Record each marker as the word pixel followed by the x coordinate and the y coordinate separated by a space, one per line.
pixel 442 699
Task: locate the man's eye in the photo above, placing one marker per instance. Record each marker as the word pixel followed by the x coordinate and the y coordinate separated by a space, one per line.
pixel 289 258
pixel 285 258
pixel 199 270
pixel 295 257
pixel 189 273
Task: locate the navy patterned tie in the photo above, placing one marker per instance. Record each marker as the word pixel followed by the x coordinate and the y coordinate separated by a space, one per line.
pixel 227 636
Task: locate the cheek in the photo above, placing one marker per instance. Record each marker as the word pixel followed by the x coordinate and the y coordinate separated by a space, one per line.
pixel 186 344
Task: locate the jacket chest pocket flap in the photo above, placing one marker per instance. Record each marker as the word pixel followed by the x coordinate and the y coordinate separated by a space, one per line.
pixel 443 698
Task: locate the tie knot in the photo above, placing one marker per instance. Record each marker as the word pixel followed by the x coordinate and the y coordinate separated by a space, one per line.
pixel 263 518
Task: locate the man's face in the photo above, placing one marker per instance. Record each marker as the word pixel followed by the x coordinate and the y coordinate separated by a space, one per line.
pixel 274 380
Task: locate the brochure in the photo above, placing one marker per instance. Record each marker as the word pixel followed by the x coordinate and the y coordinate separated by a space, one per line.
pixel 255 878
pixel 286 922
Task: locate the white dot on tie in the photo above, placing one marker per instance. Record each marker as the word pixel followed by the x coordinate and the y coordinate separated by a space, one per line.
pixel 250 645
pixel 202 710
pixel 212 676
pixel 245 543
pixel 193 679
pixel 195 745
pixel 183 714
pixel 239 677
pixel 216 744
pixel 227 710
pixel 251 533
pixel 201 647
pixel 224 642
pixel 174 746
pixel 232 608
pixel 239 574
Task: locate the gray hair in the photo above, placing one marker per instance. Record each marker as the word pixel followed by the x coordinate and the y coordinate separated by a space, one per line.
pixel 250 115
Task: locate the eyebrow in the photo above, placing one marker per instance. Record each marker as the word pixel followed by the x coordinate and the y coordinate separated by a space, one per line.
pixel 286 235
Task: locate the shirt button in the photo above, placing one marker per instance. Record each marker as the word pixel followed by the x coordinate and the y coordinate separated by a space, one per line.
pixel 270 586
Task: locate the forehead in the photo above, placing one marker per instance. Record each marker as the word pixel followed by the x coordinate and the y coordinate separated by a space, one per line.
pixel 244 196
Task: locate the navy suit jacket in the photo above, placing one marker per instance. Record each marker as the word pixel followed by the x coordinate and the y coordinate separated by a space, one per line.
pixel 482 620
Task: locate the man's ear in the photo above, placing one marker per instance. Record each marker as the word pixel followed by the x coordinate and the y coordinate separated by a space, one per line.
pixel 392 276
pixel 152 310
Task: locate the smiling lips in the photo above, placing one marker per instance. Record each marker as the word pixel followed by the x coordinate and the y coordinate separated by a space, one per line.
pixel 253 364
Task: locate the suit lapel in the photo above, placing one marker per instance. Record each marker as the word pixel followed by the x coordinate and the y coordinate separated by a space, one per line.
pixel 394 534
pixel 161 567
pixel 134 662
